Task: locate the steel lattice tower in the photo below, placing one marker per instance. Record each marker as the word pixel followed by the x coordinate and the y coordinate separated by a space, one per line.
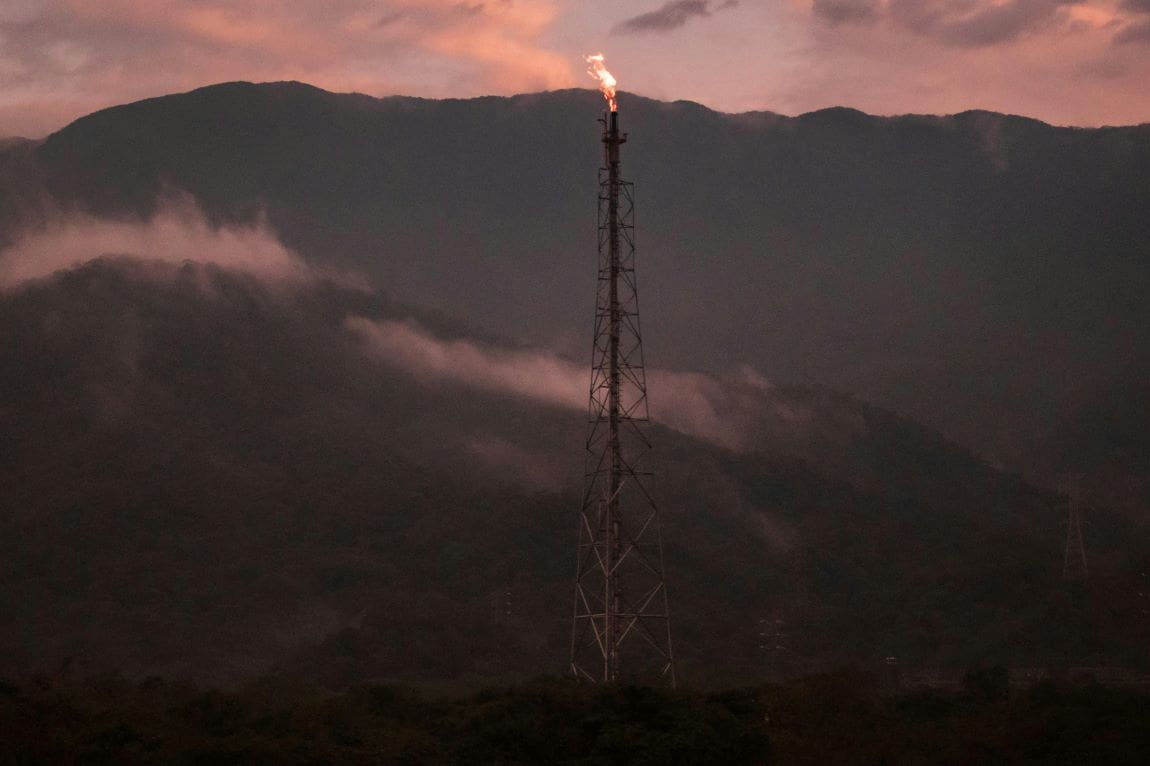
pixel 621 626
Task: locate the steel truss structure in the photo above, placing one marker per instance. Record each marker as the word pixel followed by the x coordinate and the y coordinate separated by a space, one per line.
pixel 621 621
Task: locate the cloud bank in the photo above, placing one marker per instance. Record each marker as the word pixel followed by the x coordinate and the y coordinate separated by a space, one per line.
pixel 176 234
pixel 728 413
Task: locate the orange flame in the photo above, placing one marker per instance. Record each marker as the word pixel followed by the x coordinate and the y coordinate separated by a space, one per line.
pixel 606 80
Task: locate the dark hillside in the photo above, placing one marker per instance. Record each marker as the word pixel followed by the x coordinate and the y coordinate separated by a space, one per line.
pixel 207 476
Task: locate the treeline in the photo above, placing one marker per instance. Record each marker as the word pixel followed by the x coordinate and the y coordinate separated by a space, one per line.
pixel 839 718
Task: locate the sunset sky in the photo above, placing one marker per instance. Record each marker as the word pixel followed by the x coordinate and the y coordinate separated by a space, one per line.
pixel 1079 62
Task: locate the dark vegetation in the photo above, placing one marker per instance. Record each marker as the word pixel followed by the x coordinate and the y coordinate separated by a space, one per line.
pixel 206 476
pixel 824 719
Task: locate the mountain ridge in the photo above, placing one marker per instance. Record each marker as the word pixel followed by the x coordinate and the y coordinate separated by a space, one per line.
pixel 564 92
pixel 848 254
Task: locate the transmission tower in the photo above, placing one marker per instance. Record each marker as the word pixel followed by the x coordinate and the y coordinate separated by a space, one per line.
pixel 1074 567
pixel 621 626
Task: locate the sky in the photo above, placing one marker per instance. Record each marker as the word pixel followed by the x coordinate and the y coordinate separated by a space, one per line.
pixel 1070 62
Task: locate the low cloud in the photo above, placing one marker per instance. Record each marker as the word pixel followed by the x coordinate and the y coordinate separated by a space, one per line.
pixel 178 233
pixel 531 374
pixel 728 413
pixel 670 16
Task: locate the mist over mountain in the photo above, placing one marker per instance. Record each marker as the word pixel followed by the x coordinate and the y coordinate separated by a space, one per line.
pixel 318 406
pixel 974 272
pixel 206 474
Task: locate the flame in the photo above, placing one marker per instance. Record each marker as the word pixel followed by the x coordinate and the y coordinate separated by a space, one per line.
pixel 606 80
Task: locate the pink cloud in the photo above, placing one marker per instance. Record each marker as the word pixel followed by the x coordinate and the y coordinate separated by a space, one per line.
pixel 96 54
pixel 1082 62
pixel 971 23
pixel 1049 59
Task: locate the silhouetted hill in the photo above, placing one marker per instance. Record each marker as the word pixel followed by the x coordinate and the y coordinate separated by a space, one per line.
pixel 210 476
pixel 970 271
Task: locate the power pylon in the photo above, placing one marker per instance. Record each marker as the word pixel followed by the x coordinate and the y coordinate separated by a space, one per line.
pixel 621 622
